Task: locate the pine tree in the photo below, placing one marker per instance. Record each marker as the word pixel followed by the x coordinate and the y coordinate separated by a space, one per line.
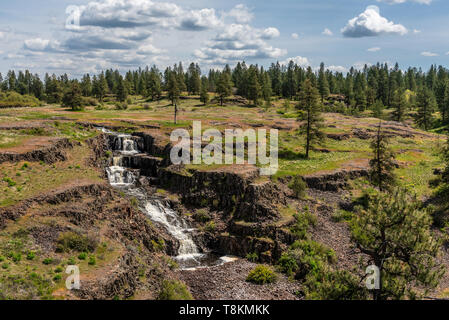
pixel 86 85
pixel 399 105
pixel 72 97
pixel 122 90
pixel 204 95
pixel 395 235
pixel 224 86
pixel 173 89
pixel 266 87
pixel 382 165
pixel 378 109
pixel 254 88
pixel 102 87
pixel 323 84
pixel 426 106
pixel 309 103
pixel 154 88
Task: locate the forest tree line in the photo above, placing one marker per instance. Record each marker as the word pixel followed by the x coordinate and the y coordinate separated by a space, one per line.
pixel 374 87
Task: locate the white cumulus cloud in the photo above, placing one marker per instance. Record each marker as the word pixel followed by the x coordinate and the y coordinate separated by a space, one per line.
pixel 370 23
pixel 327 32
pixel 374 49
pixel 300 61
pixel 404 1
pixel 429 54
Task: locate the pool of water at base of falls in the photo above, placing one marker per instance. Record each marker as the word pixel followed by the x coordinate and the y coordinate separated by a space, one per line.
pixel 189 256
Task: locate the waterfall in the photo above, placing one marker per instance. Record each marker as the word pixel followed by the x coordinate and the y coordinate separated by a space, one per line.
pixel 123 178
pixel 176 226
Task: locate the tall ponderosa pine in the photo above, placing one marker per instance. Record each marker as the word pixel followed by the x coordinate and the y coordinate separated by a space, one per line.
pixel 204 95
pixel 173 88
pixel 122 90
pixel 254 88
pixel 309 104
pixel 382 165
pixel 224 86
pixel 323 83
pixel 394 233
pixel 399 105
pixel 72 97
pixel 426 107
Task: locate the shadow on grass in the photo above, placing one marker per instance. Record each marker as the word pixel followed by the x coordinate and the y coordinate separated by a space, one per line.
pixel 291 155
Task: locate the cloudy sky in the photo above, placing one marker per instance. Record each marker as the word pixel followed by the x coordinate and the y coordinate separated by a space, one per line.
pixel 43 35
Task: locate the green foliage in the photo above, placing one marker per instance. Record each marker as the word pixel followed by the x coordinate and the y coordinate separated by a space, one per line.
pixel 72 97
pixel 382 165
pixel 201 216
pixel 288 264
pixel 174 290
pixel 302 223
pixel 16 100
pixel 261 275
pixel 68 241
pixel 224 86
pixel 204 96
pixel 11 182
pixel 309 103
pixel 399 104
pixel 395 233
pixel 252 257
pixel 336 285
pixel 57 278
pixel 82 256
pixel 47 261
pixel 298 186
pixel 210 227
pixel 121 106
pixel 92 261
pixel 426 106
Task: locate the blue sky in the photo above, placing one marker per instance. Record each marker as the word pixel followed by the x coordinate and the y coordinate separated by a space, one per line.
pixel 126 34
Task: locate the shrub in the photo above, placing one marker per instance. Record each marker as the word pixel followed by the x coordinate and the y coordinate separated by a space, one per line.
pixel 210 226
pixel 16 256
pixel 174 290
pixel 72 241
pixel 58 270
pixel 57 277
pixel 288 264
pixel 15 100
pixel 121 106
pixel 11 182
pixel 302 223
pixel 298 186
pixel 89 101
pixel 2 259
pixel 82 256
pixel 202 216
pixel 71 261
pixel 47 261
pixel 5 266
pixel 92 261
pixel 253 257
pixel 261 275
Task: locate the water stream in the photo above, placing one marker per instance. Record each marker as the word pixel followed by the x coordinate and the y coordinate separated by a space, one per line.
pixel 189 255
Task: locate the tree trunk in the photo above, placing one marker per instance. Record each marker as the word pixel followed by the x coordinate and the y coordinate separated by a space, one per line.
pixel 308 135
pixel 176 113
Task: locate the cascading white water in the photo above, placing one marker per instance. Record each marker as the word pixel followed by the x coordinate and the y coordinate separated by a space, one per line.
pixel 176 226
pixel 121 177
